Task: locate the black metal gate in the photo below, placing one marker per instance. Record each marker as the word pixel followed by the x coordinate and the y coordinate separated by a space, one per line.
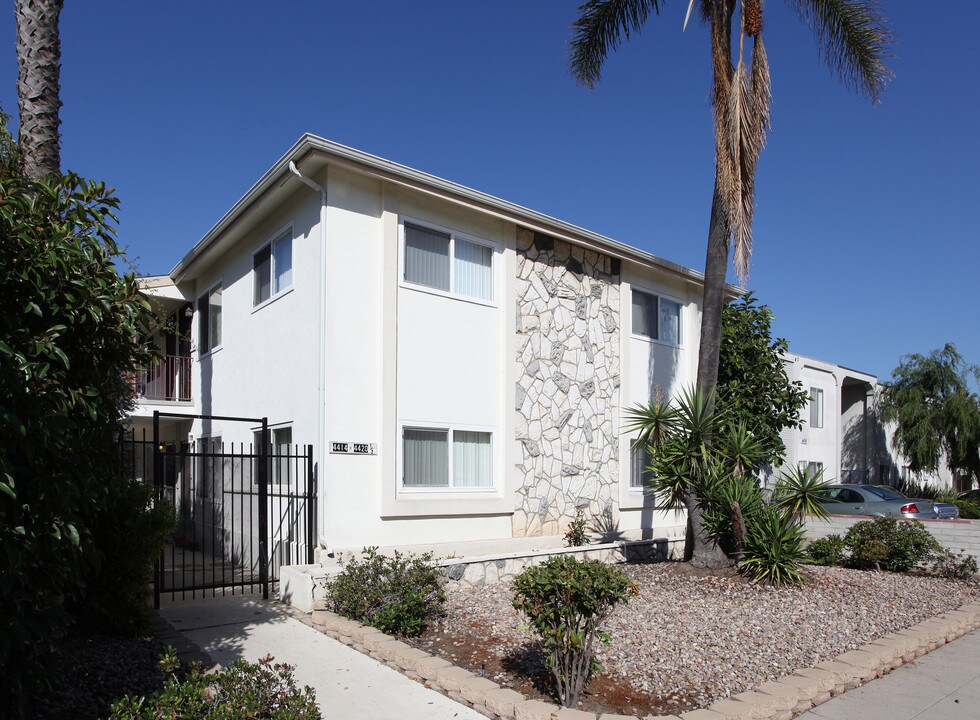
pixel 242 510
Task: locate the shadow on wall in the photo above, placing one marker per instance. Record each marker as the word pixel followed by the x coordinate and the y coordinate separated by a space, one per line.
pixel 662 366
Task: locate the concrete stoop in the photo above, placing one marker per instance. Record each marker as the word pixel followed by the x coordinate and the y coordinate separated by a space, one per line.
pixel 781 699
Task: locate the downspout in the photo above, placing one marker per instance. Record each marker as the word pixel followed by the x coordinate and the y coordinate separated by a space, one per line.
pixel 322 381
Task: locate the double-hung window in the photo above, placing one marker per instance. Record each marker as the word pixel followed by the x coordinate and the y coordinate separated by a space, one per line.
pixel 272 268
pixel 447 458
pixel 209 320
pixel 812 469
pixel 816 407
pixel 448 262
pixel 656 317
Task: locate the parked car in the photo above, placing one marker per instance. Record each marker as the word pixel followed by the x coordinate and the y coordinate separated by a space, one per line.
pixel 971 495
pixel 882 501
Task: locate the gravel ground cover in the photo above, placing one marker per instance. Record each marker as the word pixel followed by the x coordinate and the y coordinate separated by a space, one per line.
pixel 689 639
pixel 93 670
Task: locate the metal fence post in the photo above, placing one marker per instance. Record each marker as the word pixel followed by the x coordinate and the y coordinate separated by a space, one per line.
pixel 310 506
pixel 158 485
pixel 264 509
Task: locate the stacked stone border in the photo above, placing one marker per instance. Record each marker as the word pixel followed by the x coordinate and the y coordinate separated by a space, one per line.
pixel 780 699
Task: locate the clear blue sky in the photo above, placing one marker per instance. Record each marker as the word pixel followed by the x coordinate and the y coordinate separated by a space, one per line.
pixel 867 242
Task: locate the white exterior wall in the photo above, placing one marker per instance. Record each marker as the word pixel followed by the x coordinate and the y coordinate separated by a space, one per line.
pixel 821 444
pixel 267 363
pixel 652 369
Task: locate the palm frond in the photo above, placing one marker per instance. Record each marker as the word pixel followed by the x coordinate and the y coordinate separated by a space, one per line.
pixel 655 423
pixel 601 27
pixel 854 39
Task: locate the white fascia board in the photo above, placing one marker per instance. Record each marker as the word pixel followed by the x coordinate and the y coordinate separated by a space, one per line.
pixel 392 171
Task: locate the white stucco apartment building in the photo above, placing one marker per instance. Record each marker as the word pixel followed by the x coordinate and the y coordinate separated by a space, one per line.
pixel 482 353
pixel 842 434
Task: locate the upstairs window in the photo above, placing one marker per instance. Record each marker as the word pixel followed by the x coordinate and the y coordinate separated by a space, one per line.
pixel 272 268
pixel 816 407
pixel 447 262
pixel 656 317
pixel 209 320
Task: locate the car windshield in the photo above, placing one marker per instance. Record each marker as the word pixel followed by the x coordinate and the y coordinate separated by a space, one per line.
pixel 886 493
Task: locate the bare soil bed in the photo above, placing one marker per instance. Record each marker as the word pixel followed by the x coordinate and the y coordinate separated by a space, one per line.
pixel 689 639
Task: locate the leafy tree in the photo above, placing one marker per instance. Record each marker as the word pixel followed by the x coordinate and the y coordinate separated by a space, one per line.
pixel 70 328
pixel 936 415
pixel 39 85
pixel 854 40
pixel 752 381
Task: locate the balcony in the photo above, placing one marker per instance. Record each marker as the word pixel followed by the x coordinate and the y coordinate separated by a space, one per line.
pixel 169 379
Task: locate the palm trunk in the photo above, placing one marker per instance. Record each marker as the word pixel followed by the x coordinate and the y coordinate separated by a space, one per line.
pixel 38 85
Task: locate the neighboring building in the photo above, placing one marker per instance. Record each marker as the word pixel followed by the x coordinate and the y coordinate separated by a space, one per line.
pixel 842 434
pixel 481 352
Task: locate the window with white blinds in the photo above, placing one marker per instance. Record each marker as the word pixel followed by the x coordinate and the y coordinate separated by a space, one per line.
pixel 446 458
pixel 447 262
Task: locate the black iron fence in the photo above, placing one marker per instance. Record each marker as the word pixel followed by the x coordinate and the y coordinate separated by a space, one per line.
pixel 242 511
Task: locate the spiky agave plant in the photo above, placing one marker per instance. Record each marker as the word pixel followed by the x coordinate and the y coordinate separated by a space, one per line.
pixel 774 551
pixel 799 492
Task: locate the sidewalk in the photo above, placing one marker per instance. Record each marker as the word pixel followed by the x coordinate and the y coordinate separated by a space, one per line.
pixel 943 685
pixel 347 683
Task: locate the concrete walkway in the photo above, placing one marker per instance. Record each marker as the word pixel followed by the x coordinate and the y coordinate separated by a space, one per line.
pixel 348 684
pixel 943 685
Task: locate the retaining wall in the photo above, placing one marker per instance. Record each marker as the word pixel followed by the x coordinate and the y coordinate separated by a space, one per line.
pixel 956 535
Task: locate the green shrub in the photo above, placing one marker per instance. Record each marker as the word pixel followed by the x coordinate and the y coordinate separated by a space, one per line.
pixel 243 690
pixel 799 493
pixel 566 601
pixel 887 544
pixel 969 509
pixel 577 533
pixel 129 532
pixel 70 327
pixel 827 550
pixel 396 594
pixel 948 564
pixel 773 551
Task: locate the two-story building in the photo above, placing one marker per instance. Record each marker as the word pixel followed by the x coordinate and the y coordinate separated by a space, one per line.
pixel 478 355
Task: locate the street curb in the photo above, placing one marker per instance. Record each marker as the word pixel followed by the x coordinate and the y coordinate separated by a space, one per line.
pixel 780 699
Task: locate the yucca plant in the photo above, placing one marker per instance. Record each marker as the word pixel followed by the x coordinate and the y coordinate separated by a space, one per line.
pixel 799 492
pixel 774 551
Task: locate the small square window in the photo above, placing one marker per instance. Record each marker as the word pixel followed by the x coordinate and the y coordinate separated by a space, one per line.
pixel 656 318
pixel 272 268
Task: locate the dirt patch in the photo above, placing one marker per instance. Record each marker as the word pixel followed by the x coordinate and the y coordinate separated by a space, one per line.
pixel 524 670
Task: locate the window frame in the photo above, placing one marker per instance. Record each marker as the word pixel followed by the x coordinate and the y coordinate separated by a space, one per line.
pixel 453 236
pixel 451 429
pixel 205 322
pixel 819 399
pixel 281 234
pixel 680 317
pixel 641 488
pixel 273 474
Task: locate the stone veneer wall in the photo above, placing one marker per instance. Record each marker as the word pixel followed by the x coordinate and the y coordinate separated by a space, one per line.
pixel 567 394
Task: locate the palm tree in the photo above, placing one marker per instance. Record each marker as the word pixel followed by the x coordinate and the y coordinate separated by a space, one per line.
pixel 38 85
pixel 855 42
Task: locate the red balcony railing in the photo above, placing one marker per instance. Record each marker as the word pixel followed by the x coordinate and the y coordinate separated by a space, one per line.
pixel 167 379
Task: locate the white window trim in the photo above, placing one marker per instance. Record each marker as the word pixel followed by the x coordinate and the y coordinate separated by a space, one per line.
pixel 449 489
pixel 453 234
pixel 680 320
pixel 213 348
pixel 292 483
pixel 273 239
